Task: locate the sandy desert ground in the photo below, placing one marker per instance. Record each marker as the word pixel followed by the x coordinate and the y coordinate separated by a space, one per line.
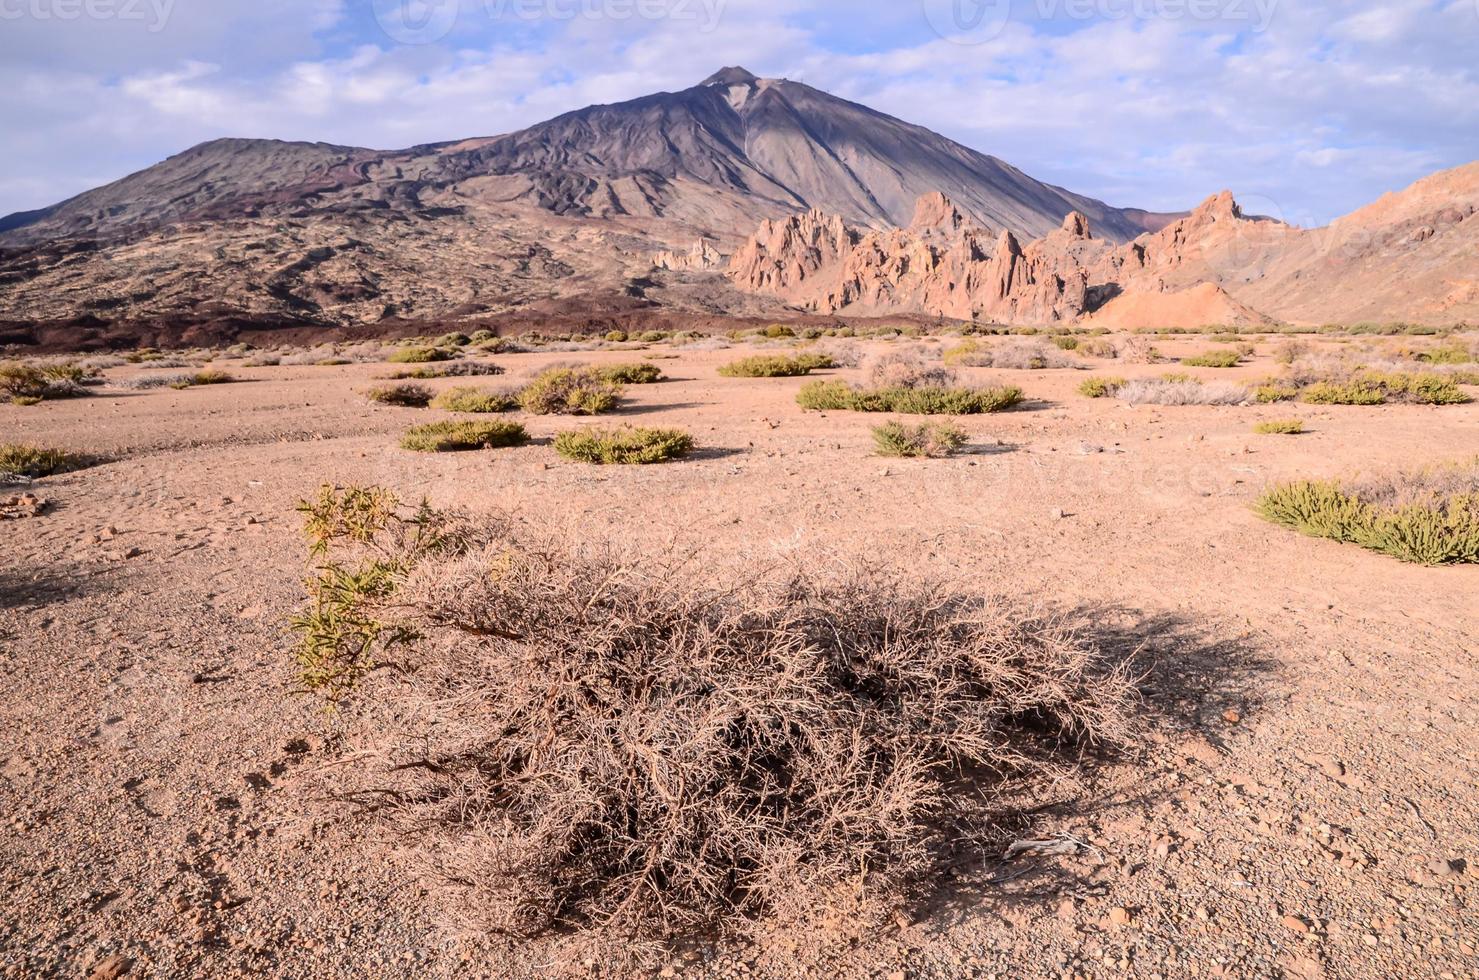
pixel 1306 803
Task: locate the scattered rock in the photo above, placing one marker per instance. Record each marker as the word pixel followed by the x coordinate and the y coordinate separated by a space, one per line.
pixel 112 968
pixel 22 505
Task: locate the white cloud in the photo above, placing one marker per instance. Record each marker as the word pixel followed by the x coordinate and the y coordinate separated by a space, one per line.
pixel 1319 113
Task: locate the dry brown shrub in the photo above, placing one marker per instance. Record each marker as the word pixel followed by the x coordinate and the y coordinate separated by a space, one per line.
pixel 911 367
pixel 589 743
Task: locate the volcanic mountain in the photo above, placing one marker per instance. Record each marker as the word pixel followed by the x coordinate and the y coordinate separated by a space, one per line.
pixel 573 207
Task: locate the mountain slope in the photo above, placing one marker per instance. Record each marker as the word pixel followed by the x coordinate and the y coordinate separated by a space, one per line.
pixel 733 144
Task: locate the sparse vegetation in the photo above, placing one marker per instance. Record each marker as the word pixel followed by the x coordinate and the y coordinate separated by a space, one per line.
pixel 455 369
pixel 775 366
pixel 624 445
pixel 401 395
pixel 656 756
pixel 1182 391
pixel 926 439
pixel 460 436
pixel 1214 359
pixel 924 400
pixel 1430 516
pixel 570 391
pixel 420 355
pixel 1280 427
pixel 1012 355
pixel 209 376
pixel 33 462
pixel 341 636
pixel 474 400
pixel 1100 387
pixel 637 373
pixel 26 384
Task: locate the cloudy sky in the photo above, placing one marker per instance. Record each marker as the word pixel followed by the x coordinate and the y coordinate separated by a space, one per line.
pixel 1305 109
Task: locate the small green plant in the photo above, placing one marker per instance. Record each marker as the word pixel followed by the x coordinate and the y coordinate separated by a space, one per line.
pixel 775 366
pixel 480 401
pixel 776 331
pixel 400 395
pixel 638 373
pixel 461 436
pixel 926 439
pixel 616 337
pixel 1430 517
pixel 1421 388
pixel 624 445
pixel 1280 427
pixel 420 355
pixel 840 396
pixel 570 391
pixel 1065 341
pixel 456 369
pixel 452 340
pixel 27 385
pixel 35 461
pixel 1100 387
pixel 1214 359
pixel 341 634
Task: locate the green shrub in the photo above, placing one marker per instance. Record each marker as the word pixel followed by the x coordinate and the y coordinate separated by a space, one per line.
pixel 1280 427
pixel 18 459
pixel 617 336
pixel 1100 387
pixel 1347 393
pixel 333 362
pixel 402 395
pixel 927 439
pixel 1421 388
pixel 624 445
pixel 1430 517
pixel 1213 359
pixel 1451 354
pixel 1065 342
pixel 775 366
pixel 1275 391
pixel 453 340
pixel 641 373
pixel 474 400
pixel 840 396
pixel 777 330
pixel 653 337
pixel 419 355
pixel 458 436
pixel 570 391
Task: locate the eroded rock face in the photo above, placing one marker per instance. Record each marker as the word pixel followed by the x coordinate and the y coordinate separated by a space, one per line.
pixel 939 265
pixel 703 255
pixel 1409 255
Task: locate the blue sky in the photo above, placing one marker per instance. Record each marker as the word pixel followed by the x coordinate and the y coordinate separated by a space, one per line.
pixel 1305 110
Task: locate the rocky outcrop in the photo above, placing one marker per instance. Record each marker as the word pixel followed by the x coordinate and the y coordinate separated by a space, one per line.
pixel 703 255
pixel 939 265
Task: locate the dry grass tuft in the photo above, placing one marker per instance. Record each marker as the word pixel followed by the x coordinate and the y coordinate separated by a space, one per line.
pixel 911 367
pixel 1182 391
pixel 401 395
pixel 923 400
pixel 33 462
pixel 1011 355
